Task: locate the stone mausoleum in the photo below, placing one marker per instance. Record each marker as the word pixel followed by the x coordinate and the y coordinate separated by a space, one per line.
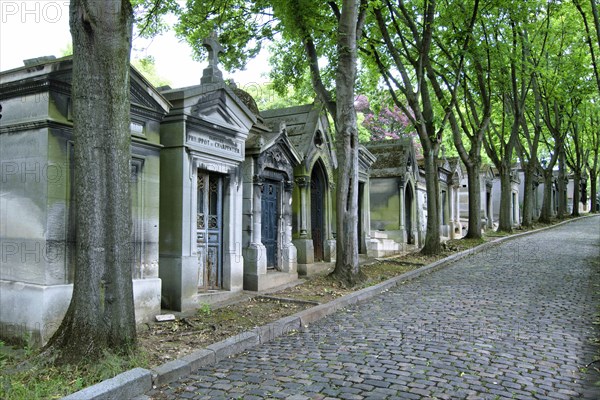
pixel 224 197
pixel 486 183
pixel 37 213
pixel 313 222
pixel 270 256
pixel 201 191
pixel 396 207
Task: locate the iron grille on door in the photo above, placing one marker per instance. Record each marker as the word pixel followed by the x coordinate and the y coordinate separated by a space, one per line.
pixel 209 230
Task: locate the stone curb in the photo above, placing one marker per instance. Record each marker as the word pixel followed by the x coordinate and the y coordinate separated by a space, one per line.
pixel 123 386
pixel 138 381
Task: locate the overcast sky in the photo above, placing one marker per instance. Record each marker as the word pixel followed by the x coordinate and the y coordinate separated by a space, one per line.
pixel 30 29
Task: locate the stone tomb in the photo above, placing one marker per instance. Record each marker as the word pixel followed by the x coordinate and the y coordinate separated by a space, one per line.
pixel 365 163
pixel 394 202
pixel 515 215
pixel 308 131
pixel 201 191
pixel 486 182
pixel 270 257
pixel 537 192
pixel 37 213
pixel 450 175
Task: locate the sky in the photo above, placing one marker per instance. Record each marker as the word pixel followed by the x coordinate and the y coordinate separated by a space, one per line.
pixel 31 28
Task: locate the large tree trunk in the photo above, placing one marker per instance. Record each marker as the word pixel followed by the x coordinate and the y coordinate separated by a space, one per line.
pixel 432 236
pixel 576 193
pixel 528 193
pixel 505 217
pixel 546 213
pixel 101 313
pixel 347 268
pixel 593 190
pixel 562 190
pixel 474 187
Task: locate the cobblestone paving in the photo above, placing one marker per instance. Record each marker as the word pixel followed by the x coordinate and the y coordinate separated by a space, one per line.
pixel 512 322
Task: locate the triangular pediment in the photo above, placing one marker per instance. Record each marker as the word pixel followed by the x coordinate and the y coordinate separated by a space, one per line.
pixel 307 128
pixel 487 172
pixel 143 94
pixel 393 157
pixel 222 108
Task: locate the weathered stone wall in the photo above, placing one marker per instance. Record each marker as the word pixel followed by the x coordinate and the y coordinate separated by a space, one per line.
pixel 385 204
pixel 37 209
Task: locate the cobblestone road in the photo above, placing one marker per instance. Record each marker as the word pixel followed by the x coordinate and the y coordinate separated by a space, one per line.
pixel 514 321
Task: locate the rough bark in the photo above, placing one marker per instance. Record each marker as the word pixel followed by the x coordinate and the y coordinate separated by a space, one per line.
pixel 474 189
pixel 347 268
pixel 101 313
pixel 432 243
pixel 562 189
pixel 528 193
pixel 593 190
pixel 576 193
pixel 505 217
pixel 546 212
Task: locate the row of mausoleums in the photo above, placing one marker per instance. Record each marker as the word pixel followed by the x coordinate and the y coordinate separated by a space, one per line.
pixel 224 197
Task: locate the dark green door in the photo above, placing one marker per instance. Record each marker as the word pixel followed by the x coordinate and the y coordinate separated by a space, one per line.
pixel 317 217
pixel 269 221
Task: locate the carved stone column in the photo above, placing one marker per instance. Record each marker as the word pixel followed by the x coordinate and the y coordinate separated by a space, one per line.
pixel 289 253
pixel 255 255
pixel 402 200
pixel 329 248
pixel 304 245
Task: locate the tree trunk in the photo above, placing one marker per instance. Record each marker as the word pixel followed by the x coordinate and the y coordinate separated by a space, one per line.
pixel 347 268
pixel 546 213
pixel 528 193
pixel 562 190
pixel 593 190
pixel 576 193
pixel 432 236
pixel 505 218
pixel 101 313
pixel 474 181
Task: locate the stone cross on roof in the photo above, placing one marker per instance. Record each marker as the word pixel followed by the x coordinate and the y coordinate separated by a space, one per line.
pixel 212 74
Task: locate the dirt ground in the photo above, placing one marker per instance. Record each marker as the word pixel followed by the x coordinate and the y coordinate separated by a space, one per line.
pixel 167 341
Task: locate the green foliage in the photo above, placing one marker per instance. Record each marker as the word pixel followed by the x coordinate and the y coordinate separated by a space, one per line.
pixel 147 67
pixel 364 135
pixel 267 97
pixel 289 68
pixel 204 309
pixel 150 15
pixel 242 27
pixel 67 50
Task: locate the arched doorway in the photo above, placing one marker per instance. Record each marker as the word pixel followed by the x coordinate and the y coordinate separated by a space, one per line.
pixel 409 198
pixel 317 210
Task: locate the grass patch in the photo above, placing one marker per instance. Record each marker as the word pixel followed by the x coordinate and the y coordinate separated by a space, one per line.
pixel 34 381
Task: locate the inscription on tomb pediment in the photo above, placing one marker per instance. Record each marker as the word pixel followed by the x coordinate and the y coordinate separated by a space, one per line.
pixel 215 144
